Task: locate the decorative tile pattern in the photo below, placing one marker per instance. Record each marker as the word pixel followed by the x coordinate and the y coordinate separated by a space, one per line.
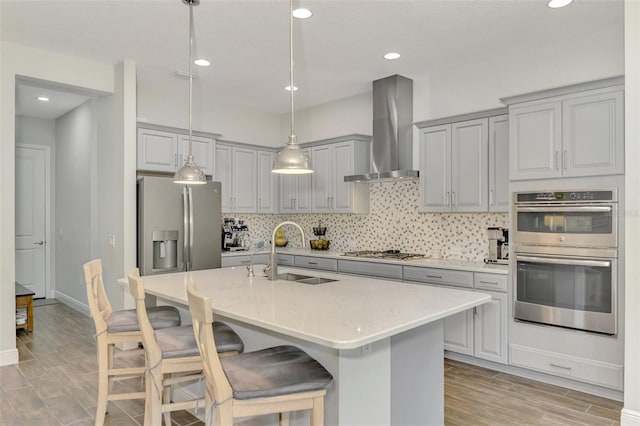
pixel 393 222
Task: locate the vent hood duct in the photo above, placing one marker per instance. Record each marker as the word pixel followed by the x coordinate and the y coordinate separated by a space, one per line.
pixel 392 145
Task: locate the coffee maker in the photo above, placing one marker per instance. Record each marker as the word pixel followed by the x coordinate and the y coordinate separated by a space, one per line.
pixel 235 235
pixel 498 245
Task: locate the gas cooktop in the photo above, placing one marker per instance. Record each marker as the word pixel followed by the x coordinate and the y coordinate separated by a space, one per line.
pixel 386 254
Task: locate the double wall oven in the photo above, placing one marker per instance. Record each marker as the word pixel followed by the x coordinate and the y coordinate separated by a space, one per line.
pixel 565 256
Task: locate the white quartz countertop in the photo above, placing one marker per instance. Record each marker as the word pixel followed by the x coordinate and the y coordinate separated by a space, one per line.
pixel 344 314
pixel 456 264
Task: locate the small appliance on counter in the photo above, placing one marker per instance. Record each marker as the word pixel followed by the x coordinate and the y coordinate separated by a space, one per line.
pixel 235 235
pixel 498 245
pixel 319 244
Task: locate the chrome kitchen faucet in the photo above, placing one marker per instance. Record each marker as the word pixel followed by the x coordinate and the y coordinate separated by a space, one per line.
pixel 272 269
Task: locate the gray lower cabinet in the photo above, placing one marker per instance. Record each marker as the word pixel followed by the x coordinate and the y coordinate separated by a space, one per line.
pixel 479 332
pixel 243 260
pixel 386 271
pixel 322 263
pixel 285 259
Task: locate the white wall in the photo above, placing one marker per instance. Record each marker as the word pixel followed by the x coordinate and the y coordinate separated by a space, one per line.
pixel 15 61
pixel 75 143
pixel 631 411
pixel 168 105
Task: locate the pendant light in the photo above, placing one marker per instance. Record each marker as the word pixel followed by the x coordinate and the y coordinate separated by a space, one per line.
pixel 190 173
pixel 292 160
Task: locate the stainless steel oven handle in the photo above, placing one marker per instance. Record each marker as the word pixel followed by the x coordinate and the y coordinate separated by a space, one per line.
pixel 564 261
pixel 552 209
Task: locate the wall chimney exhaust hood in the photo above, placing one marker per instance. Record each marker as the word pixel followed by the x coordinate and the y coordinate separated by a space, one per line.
pixel 392 145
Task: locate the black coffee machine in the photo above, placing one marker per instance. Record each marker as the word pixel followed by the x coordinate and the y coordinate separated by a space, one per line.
pixel 235 235
pixel 498 245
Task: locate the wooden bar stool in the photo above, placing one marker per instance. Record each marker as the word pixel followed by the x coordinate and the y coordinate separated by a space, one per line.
pixel 114 327
pixel 274 380
pixel 171 352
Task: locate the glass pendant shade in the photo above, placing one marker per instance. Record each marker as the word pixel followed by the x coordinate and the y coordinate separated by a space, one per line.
pixel 292 160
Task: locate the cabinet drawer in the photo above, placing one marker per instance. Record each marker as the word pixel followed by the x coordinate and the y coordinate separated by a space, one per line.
pixel 491 282
pixel 372 269
pixel 581 369
pixel 285 259
pixel 262 259
pixel 316 263
pixel 438 276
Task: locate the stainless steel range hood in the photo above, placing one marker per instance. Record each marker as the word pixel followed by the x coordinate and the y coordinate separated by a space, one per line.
pixel 392 145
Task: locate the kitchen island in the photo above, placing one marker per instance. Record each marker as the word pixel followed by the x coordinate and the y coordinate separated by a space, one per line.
pixel 381 340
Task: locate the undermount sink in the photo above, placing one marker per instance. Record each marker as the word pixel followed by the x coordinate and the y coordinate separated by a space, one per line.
pixel 304 279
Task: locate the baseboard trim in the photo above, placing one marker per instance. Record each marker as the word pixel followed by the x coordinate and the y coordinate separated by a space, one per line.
pixel 9 357
pixel 629 417
pixel 73 303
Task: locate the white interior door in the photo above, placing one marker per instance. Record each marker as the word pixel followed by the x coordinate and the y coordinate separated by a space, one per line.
pixel 30 219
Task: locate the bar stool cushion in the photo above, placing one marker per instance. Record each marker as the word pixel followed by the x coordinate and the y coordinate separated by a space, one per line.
pixel 176 342
pixel 274 371
pixel 127 319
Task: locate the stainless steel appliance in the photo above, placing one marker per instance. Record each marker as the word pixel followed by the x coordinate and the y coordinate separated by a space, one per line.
pixel 178 226
pixel 385 254
pixel 235 235
pixel 498 245
pixel 565 255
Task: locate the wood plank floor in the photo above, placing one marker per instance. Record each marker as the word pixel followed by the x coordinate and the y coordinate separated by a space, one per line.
pixel 55 384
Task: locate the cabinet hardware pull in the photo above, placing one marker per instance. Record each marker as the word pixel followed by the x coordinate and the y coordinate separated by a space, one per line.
pixel 453 199
pixel 564 159
pixel 488 282
pixel 475 310
pixel 177 165
pixel 244 261
pixel 564 367
pixel 491 197
pixel 447 199
pixel 555 163
pixel 312 263
pixel 435 276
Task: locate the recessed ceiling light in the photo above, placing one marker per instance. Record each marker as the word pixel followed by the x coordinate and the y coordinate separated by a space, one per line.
pixel 43 99
pixel 302 13
pixel 288 88
pixel 202 62
pixel 554 4
pixel 392 55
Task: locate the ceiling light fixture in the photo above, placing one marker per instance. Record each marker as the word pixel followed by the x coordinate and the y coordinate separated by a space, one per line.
pixel 392 55
pixel 43 99
pixel 555 4
pixel 202 62
pixel 292 160
pixel 190 173
pixel 302 13
pixel 288 88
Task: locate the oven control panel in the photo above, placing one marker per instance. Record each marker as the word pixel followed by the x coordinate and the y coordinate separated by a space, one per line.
pixel 566 196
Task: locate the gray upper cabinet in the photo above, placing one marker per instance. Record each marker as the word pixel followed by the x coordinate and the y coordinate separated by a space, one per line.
pixel 267 183
pixel 331 163
pixel 454 167
pixel 499 163
pixel 571 135
pixel 236 170
pixel 295 192
pixel 165 151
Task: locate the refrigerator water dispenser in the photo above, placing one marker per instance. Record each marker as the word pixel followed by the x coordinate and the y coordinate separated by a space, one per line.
pixel 165 250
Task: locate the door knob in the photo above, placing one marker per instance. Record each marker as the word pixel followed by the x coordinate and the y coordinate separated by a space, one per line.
pixel 40 243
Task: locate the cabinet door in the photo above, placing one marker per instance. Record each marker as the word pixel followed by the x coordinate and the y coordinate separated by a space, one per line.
pixel 499 163
pixel 288 192
pixel 266 183
pixel 244 180
pixel 157 150
pixel 202 149
pixel 223 174
pixel 303 197
pixel 321 180
pixel 343 165
pixel 435 169
pixel 469 165
pixel 592 136
pixel 458 332
pixel 535 140
pixel 491 329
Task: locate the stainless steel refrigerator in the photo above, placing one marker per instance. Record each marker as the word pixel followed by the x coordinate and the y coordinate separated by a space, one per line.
pixel 178 226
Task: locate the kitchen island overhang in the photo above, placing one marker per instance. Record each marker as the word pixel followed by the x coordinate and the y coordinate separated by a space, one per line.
pixel 381 340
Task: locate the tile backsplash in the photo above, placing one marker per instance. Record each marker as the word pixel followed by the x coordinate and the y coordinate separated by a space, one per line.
pixel 393 222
